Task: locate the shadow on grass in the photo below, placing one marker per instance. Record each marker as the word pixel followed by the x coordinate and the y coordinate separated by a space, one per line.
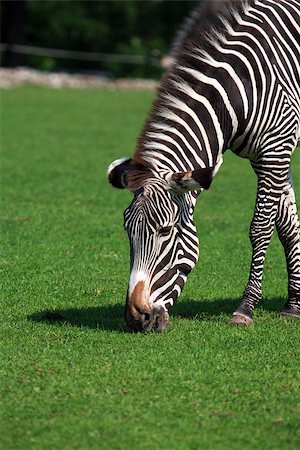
pixel 211 310
pixel 111 317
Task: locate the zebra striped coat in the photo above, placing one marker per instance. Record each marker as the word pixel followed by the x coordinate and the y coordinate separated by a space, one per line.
pixel 233 84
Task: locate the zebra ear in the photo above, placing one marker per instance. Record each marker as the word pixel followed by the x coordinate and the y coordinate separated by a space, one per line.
pixel 117 171
pixel 194 179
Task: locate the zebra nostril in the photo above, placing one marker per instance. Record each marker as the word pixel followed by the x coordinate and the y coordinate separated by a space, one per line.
pixel 147 316
pixel 144 314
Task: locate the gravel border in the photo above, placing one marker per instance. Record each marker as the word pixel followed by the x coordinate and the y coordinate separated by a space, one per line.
pixel 10 78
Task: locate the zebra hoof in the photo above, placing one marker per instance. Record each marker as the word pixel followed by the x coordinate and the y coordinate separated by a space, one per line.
pixel 241 319
pixel 288 311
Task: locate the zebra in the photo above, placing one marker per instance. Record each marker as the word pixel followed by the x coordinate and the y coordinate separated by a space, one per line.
pixel 233 84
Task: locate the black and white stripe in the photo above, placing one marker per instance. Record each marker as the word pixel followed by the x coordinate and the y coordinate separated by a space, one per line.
pixel 234 86
pixel 163 242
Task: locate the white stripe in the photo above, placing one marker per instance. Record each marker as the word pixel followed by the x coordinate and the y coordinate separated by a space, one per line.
pixel 184 87
pixel 167 114
pixel 231 72
pixel 179 104
pixel 163 126
pixel 165 137
pixel 163 288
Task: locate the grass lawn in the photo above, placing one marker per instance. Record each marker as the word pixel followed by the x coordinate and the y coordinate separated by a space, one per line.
pixel 79 380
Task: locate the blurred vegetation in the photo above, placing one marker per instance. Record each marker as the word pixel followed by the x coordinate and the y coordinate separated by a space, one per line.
pixel 120 27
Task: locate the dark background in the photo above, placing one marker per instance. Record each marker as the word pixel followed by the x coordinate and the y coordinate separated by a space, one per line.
pixel 125 27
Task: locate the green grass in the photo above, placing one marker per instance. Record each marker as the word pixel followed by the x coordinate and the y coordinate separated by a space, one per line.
pixel 84 382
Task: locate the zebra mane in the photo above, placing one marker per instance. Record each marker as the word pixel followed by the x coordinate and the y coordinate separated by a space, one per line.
pixel 206 22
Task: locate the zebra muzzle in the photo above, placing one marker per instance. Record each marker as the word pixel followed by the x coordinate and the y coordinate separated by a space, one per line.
pixel 141 316
pixel 155 319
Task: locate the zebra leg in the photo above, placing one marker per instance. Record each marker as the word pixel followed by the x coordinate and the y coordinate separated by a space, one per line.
pixel 287 224
pixel 261 230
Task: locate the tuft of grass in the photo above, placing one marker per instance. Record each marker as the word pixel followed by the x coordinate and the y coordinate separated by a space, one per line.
pixel 71 374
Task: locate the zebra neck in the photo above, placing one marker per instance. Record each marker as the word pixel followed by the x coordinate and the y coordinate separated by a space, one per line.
pixel 185 131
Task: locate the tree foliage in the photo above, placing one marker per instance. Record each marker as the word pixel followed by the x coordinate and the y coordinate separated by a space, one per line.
pixel 118 27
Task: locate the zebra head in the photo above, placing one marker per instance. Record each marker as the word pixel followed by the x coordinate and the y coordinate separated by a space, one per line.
pixel 163 240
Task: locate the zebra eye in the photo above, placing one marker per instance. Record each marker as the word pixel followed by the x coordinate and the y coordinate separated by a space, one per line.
pixel 165 231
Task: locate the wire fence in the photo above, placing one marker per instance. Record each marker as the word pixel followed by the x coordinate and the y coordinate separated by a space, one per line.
pixel 78 55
